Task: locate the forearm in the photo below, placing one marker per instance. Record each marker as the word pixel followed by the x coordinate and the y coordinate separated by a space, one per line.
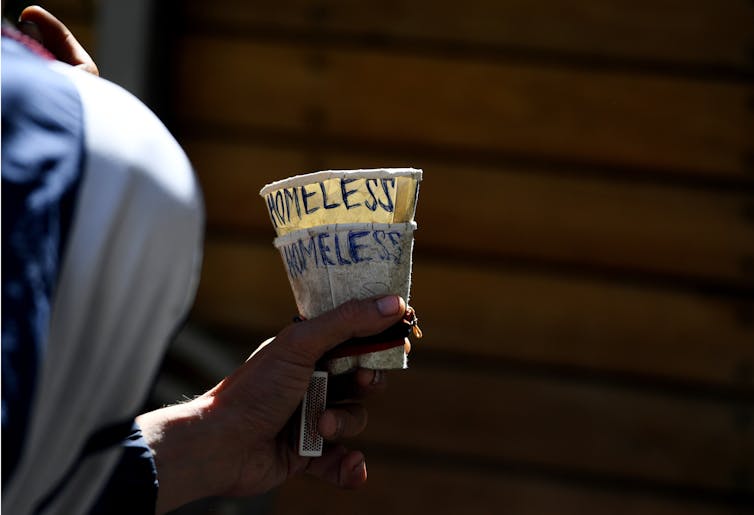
pixel 191 461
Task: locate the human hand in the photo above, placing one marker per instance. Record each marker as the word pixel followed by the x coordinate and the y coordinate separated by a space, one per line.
pixel 236 439
pixel 51 33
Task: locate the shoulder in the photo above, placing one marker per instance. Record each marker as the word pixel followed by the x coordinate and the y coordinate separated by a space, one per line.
pixel 41 118
pixel 30 85
pixel 124 136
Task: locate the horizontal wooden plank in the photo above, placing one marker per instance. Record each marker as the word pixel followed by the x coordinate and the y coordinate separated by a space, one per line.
pixel 677 126
pixel 706 32
pixel 508 314
pixel 407 489
pixel 243 287
pixel 604 431
pixel 514 212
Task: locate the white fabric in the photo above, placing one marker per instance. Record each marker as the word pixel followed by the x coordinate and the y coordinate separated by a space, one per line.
pixel 128 277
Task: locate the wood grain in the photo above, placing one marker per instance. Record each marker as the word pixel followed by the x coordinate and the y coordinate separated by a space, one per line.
pixel 697 128
pixel 501 313
pixel 564 425
pixel 409 488
pixel 711 32
pixel 587 310
pixel 510 212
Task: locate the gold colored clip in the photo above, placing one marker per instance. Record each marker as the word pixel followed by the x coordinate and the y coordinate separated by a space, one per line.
pixel 413 320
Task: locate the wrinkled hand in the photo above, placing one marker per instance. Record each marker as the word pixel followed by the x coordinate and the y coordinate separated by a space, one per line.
pixel 51 33
pixel 236 439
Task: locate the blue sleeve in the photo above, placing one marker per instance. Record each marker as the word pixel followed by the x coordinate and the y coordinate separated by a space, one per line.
pixel 132 487
pixel 42 159
pixel 101 250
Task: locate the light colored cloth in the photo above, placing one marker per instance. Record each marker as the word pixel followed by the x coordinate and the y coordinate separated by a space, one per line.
pixel 127 279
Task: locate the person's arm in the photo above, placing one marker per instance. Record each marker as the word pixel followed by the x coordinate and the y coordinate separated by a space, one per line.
pixel 235 439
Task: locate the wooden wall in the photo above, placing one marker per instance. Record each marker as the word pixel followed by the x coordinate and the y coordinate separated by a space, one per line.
pixel 584 265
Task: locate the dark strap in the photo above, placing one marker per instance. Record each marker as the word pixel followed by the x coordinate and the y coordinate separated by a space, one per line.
pixel 393 336
pixel 387 339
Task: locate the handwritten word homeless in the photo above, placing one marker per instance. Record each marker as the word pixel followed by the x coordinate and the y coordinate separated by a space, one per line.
pixel 331 197
pixel 343 248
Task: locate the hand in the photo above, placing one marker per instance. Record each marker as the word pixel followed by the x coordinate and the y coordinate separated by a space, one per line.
pixel 236 440
pixel 51 33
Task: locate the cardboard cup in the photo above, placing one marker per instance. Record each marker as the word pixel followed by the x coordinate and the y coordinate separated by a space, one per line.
pixel 379 195
pixel 331 264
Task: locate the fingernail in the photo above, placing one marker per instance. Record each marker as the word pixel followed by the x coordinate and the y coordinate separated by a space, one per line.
pixel 389 306
pixel 30 29
pixel 328 425
pixel 359 466
pixel 377 377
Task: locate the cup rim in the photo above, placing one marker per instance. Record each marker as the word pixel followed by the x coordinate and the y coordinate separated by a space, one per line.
pixel 309 178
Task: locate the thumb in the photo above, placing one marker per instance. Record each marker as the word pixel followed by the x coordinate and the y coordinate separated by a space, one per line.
pixel 356 318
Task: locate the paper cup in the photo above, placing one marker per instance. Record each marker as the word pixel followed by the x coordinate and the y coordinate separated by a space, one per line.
pixel 380 195
pixel 331 264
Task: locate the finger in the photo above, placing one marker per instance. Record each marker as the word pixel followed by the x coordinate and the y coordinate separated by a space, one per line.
pixel 356 385
pixel 56 37
pixel 312 338
pixel 342 421
pixel 371 380
pixel 341 467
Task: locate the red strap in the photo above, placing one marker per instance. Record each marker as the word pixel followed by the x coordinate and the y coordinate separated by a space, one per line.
pixel 29 42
